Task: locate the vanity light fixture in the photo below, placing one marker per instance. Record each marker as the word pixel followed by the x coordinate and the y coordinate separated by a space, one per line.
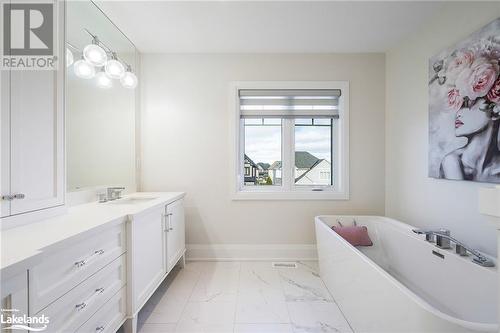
pixel 69 57
pixel 129 80
pixel 94 54
pixel 83 69
pixel 103 80
pixel 114 68
pixel 98 55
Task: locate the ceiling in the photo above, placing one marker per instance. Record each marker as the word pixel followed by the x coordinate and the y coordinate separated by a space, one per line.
pixel 267 26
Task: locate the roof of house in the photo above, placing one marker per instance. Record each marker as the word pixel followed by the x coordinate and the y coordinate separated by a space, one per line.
pixel 275 165
pixel 263 165
pixel 305 160
pixel 249 160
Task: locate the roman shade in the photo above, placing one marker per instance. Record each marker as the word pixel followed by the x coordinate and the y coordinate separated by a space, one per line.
pixel 289 103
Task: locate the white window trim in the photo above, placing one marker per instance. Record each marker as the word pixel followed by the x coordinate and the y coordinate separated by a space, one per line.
pixel 341 148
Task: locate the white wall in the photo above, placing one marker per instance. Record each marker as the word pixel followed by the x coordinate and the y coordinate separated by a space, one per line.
pixel 185 141
pixel 412 196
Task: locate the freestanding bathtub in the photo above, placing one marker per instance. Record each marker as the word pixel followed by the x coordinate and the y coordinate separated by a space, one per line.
pixel 403 283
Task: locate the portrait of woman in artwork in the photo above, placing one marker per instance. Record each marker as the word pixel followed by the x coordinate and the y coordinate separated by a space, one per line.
pixel 464 109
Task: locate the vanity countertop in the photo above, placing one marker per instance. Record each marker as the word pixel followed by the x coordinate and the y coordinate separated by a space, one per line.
pixel 22 245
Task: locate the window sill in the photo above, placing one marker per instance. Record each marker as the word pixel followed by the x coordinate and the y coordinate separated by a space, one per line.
pixel 292 195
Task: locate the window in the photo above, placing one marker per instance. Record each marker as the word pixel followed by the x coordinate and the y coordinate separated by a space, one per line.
pixel 291 140
pixel 262 150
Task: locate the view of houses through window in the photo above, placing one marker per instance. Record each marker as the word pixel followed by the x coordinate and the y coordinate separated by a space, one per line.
pixel 312 148
pixel 313 151
pixel 263 139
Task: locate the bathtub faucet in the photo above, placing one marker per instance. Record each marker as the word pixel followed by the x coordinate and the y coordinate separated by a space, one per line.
pixel 435 235
pixel 444 240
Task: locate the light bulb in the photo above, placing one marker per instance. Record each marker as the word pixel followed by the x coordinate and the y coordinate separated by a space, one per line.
pixel 83 69
pixel 69 57
pixel 103 80
pixel 95 55
pixel 115 69
pixel 129 80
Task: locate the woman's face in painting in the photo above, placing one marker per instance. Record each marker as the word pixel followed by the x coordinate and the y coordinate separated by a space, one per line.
pixel 470 121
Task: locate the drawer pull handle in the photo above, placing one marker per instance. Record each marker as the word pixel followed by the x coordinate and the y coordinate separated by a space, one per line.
pixel 99 329
pixel 83 262
pixel 83 305
pixel 166 222
pixel 170 221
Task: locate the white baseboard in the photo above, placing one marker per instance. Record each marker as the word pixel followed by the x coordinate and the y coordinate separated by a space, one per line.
pixel 247 252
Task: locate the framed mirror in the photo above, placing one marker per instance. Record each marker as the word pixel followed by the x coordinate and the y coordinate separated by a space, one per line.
pixel 100 101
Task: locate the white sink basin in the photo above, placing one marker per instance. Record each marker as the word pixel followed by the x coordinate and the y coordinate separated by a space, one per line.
pixel 132 200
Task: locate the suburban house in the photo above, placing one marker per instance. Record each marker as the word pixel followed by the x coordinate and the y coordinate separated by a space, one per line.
pixel 251 171
pixel 274 172
pixel 309 170
pixel 263 170
pixel 318 174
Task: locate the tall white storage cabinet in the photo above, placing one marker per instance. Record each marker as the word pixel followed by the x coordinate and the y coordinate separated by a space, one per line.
pixel 32 135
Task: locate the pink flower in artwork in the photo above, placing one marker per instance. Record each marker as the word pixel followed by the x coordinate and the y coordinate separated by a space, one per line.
pixel 494 93
pixel 461 61
pixel 455 101
pixel 477 80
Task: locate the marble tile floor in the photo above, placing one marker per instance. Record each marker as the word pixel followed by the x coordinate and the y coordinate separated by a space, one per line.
pixel 242 297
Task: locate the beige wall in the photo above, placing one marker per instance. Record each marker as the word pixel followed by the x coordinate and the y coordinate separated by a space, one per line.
pixel 412 196
pixel 185 140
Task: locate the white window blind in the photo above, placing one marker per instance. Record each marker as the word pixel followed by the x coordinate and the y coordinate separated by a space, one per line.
pixel 289 103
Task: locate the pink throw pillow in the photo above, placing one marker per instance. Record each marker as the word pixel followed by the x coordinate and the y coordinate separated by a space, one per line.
pixel 356 235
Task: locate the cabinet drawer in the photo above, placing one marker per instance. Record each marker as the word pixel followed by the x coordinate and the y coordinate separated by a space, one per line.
pixel 64 268
pixel 69 312
pixel 109 317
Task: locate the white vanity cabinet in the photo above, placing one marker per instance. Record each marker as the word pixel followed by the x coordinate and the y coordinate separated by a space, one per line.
pixel 32 135
pixel 145 259
pixel 94 268
pixel 13 296
pixel 66 265
pixel 78 277
pixel 156 239
pixel 175 233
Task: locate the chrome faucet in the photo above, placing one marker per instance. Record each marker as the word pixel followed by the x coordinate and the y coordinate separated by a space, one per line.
pixel 114 193
pixel 444 240
pixel 430 236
